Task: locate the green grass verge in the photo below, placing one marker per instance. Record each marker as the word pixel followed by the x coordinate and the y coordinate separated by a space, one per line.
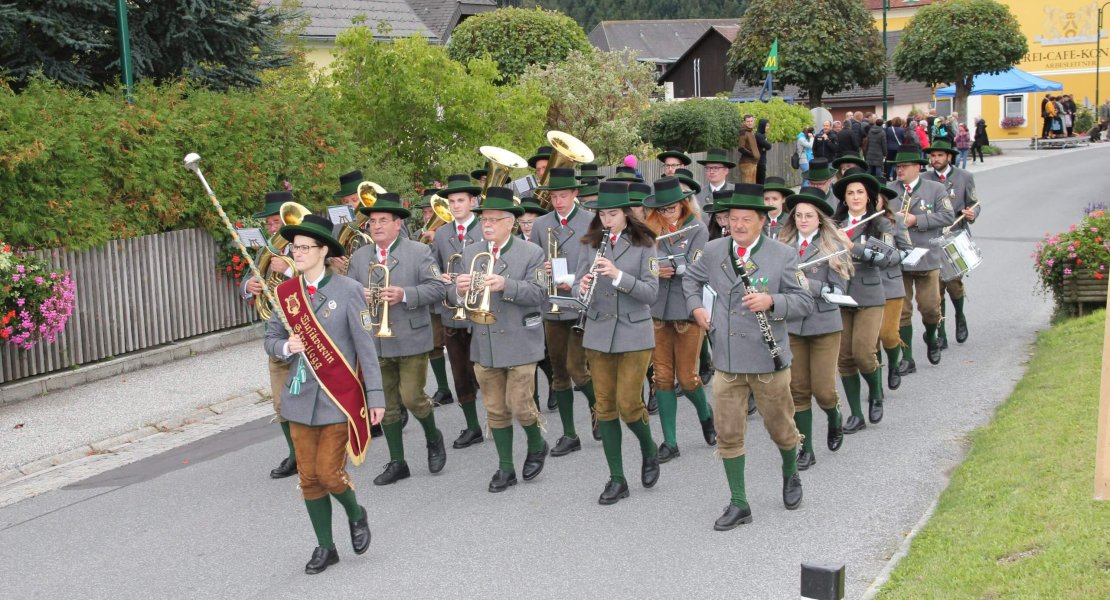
pixel 1018 519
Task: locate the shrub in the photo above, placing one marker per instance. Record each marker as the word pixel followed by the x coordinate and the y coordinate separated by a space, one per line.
pixel 693 125
pixel 1082 251
pixel 787 120
pixel 1084 120
pixel 35 302
pixel 516 38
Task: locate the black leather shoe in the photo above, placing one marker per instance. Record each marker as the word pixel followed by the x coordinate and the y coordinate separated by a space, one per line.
pixel 395 471
pixel 437 455
pixel 893 379
pixel 961 329
pixel 467 438
pixel 875 410
pixel 853 424
pixel 734 517
pixel 360 533
pixel 594 430
pixel 287 467
pixel 649 471
pixel 652 404
pixel 906 367
pixel 708 431
pixel 442 397
pixel 533 463
pixel 792 492
pixel 566 445
pixel 322 558
pixel 932 350
pixel 376 430
pixel 613 492
pixel 836 434
pixel 667 452
pixel 706 373
pixel 943 341
pixel 502 481
pixel 751 403
pixel 806 459
pixel 552 401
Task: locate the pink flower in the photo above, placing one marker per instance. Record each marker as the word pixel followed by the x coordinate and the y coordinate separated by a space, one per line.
pixel 39 280
pixel 20 268
pixel 1067 271
pixel 19 301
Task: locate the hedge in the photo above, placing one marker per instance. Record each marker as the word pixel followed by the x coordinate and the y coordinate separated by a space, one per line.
pixel 701 123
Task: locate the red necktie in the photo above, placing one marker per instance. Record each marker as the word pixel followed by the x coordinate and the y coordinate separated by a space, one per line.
pixel 612 240
pixel 805 244
pixel 672 228
pixel 462 232
pixel 741 251
pixel 774 222
pixel 382 251
pixel 909 189
pixel 942 177
pixel 563 222
pixel 311 290
pixel 495 250
pixel 849 232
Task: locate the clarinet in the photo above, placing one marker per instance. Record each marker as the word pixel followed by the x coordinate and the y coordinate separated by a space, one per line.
pixel 587 298
pixel 762 320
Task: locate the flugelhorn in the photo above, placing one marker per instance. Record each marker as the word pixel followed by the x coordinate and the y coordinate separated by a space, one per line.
pixel 378 305
pixel 460 310
pixel 477 300
pixel 569 152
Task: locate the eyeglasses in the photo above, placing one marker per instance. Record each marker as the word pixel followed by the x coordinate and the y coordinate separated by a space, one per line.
pixel 672 165
pixel 798 216
pixel 667 209
pixel 526 222
pixel 716 168
pixel 491 220
pixel 302 249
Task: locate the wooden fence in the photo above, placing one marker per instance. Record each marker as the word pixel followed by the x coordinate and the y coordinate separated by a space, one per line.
pixel 131 295
pixel 778 164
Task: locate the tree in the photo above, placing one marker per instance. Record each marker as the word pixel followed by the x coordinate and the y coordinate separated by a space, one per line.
pixel 589 14
pixel 218 43
pixel 824 47
pixel 516 38
pixel 956 40
pixel 597 97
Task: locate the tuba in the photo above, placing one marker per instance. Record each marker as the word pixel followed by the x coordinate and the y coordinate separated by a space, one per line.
pixel 379 307
pixel 569 153
pixel 291 214
pixel 352 238
pixel 499 166
pixel 477 300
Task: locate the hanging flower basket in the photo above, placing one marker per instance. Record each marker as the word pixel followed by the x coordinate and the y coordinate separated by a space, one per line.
pixel 1013 122
pixel 1075 266
pixel 35 302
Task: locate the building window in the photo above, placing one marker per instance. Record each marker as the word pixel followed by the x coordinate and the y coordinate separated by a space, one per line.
pixel 1013 106
pixel 943 106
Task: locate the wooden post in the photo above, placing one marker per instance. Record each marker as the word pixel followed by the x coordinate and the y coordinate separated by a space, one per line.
pixel 1102 445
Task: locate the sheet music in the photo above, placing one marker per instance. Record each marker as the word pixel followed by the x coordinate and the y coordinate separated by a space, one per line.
pixel 251 237
pixel 914 256
pixel 524 187
pixel 341 213
pixel 839 299
pixel 708 299
pixel 559 271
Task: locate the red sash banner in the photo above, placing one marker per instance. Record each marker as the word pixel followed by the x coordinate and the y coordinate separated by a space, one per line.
pixel 339 380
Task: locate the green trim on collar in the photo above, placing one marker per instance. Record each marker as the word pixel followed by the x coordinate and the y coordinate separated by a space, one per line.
pixel 689 219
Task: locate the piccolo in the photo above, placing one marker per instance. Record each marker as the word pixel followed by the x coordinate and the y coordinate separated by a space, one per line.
pixel 854 225
pixel 674 233
pixel 817 261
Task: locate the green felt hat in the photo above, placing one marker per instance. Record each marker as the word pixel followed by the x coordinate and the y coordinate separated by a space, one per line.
pixel 819 170
pixel 849 157
pixel 478 174
pixel 348 184
pixel 869 182
pixel 747 196
pixel 459 183
pixel 500 198
pixel 531 205
pixel 627 175
pixel 588 189
pixel 687 177
pixel 561 179
pixel 426 198
pixel 610 194
pixel 908 154
pixel 316 227
pixel 542 153
pixel 589 171
pixel 941 146
pixel 388 202
pixel 717 156
pixel 674 153
pixel 668 191
pixel 777 184
pixel 638 193
pixel 274 200
pixel 810 195
pixel 718 196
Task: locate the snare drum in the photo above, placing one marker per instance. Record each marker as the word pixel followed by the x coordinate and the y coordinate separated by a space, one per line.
pixel 959 255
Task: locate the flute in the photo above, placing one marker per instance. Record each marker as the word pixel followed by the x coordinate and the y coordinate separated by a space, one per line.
pixel 822 259
pixel 674 233
pixel 868 218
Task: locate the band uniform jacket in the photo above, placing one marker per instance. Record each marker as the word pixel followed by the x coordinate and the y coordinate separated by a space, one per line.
pixel 517 336
pixel 961 192
pixel 705 196
pixel 892 274
pixel 619 317
pixel 445 244
pixel 569 247
pixel 772 230
pixel 411 267
pixel 337 305
pixel 670 305
pixel 738 344
pixel 866 286
pixel 825 317
pixel 930 204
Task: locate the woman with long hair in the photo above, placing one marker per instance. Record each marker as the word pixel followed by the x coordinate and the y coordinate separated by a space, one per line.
pixel 678 339
pixel 619 287
pixel 815 339
pixel 872 248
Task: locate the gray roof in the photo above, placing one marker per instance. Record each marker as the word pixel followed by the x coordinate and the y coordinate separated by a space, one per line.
pixel 441 16
pixel 329 17
pixel 655 41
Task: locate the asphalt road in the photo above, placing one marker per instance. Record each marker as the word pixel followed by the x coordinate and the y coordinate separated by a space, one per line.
pixel 205 521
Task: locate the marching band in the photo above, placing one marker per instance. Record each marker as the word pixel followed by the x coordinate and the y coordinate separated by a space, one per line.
pixel 601 284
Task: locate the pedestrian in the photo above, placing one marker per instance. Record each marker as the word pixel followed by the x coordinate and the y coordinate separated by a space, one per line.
pixel 749 150
pixel 1070 110
pixel 1104 114
pixel 826 142
pixel 981 139
pixel 764 146
pixel 922 134
pixel 963 145
pixel 875 148
pixel 803 145
pixel 895 135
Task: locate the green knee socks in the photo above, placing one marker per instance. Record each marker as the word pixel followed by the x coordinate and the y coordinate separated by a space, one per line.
pixel 851 393
pixel 288 439
pixel 906 333
pixel 350 504
pixel 393 439
pixel 893 357
pixel 958 303
pixel 789 461
pixel 734 473
pixel 428 424
pixel 535 437
pixel 439 368
pixel 503 440
pixel 874 381
pixel 803 419
pixel 668 416
pixel 566 411
pixel 319 512
pixel 697 398
pixel 611 444
pixel 643 434
pixel 470 411
pixel 588 391
pixel 931 331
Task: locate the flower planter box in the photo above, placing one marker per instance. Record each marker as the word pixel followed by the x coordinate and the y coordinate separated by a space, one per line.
pixel 1083 292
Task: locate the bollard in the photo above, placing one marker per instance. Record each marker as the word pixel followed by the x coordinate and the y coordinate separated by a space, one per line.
pixel 822 581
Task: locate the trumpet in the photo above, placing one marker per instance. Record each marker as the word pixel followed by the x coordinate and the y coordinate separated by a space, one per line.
pixel 379 306
pixel 580 325
pixel 477 300
pixel 552 252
